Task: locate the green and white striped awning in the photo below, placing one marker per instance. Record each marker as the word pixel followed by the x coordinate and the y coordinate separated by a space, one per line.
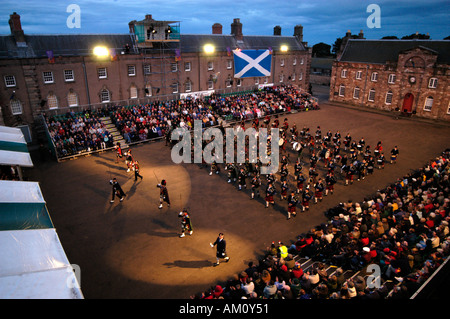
pixel 13 148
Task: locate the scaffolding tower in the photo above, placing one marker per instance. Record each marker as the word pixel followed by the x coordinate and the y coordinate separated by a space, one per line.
pixel 159 44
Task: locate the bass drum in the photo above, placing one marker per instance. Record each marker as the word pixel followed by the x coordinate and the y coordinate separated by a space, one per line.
pixel 296 146
pixel 281 142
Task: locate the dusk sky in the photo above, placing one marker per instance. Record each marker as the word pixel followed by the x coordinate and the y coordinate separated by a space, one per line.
pixel 323 21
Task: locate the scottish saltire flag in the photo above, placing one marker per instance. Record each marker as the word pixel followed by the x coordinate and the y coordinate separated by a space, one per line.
pixel 252 63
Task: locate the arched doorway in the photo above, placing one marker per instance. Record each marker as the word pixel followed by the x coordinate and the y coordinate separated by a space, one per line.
pixel 407 103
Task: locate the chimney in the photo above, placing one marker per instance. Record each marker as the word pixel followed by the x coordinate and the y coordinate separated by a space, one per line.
pixel 298 32
pixel 277 30
pixel 236 29
pixel 217 28
pixel 148 17
pixel 16 28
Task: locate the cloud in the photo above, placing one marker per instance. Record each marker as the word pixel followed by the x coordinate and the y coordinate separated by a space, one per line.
pixel 322 20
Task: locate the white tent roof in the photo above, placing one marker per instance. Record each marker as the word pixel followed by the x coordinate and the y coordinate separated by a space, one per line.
pixel 33 265
pixel 15 158
pixel 20 192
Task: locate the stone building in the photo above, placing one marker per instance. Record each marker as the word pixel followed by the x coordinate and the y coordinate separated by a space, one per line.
pixel 153 60
pixel 408 76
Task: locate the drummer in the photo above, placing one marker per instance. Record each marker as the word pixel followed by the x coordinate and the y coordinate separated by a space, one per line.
pixel 394 154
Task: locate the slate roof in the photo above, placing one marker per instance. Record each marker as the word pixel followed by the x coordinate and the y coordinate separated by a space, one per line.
pixel 82 44
pixel 380 51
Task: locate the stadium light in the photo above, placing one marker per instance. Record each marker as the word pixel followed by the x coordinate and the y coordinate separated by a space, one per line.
pixel 101 51
pixel 209 48
pixel 284 48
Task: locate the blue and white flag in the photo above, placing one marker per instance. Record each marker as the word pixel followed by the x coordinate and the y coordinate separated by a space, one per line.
pixel 252 63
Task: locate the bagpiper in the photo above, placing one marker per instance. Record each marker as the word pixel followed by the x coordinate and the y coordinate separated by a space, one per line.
pixel 318 190
pixel 330 180
pixel 256 183
pixel 306 197
pixel 300 180
pixel 241 179
pixel 186 225
pixel 163 194
pixel 270 192
pixel 231 169
pixel 292 205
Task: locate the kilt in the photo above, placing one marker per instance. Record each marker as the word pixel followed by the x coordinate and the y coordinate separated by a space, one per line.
pixel 269 198
pixel 319 194
pixel 291 209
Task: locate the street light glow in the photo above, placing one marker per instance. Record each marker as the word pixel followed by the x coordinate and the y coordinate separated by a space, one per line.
pixel 101 51
pixel 209 48
pixel 284 48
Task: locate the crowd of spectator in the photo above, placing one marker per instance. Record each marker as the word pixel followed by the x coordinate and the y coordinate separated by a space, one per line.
pixel 403 229
pixel 77 133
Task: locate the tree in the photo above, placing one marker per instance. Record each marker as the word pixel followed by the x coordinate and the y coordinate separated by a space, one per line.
pixel 416 36
pixel 390 37
pixel 321 50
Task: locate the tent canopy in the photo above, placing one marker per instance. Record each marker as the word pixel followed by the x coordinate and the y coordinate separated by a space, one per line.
pixel 33 265
pixel 13 147
pixel 22 206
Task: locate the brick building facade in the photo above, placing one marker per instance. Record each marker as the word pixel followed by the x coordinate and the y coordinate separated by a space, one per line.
pixel 60 73
pixel 409 76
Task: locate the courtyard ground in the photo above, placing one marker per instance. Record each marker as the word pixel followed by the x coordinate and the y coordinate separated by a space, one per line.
pixel 133 250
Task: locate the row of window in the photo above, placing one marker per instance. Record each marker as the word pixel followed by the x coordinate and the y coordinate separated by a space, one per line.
pixel 102 73
pixel 388 97
pixel 432 82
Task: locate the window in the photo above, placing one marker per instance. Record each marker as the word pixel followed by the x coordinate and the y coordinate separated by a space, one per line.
pixel 432 84
pixel 133 92
pixel 10 81
pixel 358 75
pixel 188 86
pixel 148 90
pixel 282 62
pixel 342 90
pixel 72 99
pixel 16 106
pixel 374 77
pixel 238 82
pixel 68 76
pixel 210 66
pixel 174 88
pixel 102 74
pixel 187 66
pixel 293 77
pixel 300 77
pixel 356 93
pixel 48 76
pixel 388 100
pixel 371 95
pixel 257 80
pixel 294 62
pixel 131 70
pixel 229 64
pixel 228 82
pixel 281 77
pixel 428 103
pixel 174 67
pixel 104 96
pixel 344 73
pixel 301 61
pixel 266 80
pixel 391 78
pixel 52 101
pixel 210 85
pixel 147 69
